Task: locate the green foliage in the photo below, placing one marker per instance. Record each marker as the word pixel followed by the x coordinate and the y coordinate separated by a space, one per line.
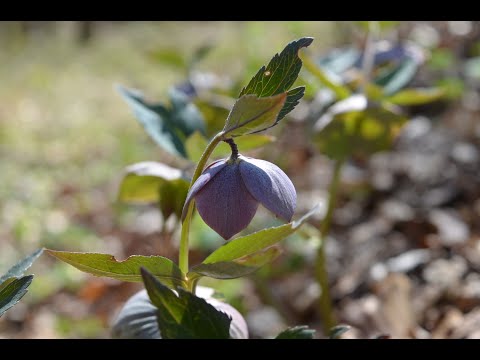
pixel 15 289
pixel 252 243
pixel 20 267
pixel 416 96
pixel 279 76
pixel 126 270
pixel 238 267
pixel 396 78
pixel 185 316
pixel 356 125
pixel 13 285
pixel 297 332
pixel 153 182
pixel 168 127
pixel 252 114
pixel 327 78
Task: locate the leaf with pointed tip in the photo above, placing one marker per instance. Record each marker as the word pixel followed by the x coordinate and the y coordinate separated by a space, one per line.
pixel 126 270
pixel 154 182
pixel 279 75
pixel 185 316
pixel 417 96
pixel 156 122
pixel 297 332
pixel 252 114
pixel 252 243
pixel 19 268
pixel 13 292
pixel 237 268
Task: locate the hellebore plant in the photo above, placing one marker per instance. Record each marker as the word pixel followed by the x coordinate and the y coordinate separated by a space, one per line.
pixel 226 193
pixel 361 116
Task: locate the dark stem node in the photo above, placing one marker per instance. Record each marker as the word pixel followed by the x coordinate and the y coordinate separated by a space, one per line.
pixel 234 148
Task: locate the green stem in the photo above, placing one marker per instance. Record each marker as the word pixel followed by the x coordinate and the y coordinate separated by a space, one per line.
pixel 321 273
pixel 183 251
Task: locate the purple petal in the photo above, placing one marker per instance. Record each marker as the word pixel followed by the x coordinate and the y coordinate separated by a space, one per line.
pixel 270 186
pixel 225 204
pixel 209 172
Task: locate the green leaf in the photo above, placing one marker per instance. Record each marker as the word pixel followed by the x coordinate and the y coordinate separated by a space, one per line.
pixel 237 268
pixel 252 114
pixel 252 243
pixel 326 78
pixel 185 316
pixel 357 126
pixel 13 292
pixel 156 121
pixel 416 96
pixel 297 332
pixel 279 75
pixel 126 270
pixel 20 267
pixel 153 182
pixel 215 110
pixel 338 331
pixel 184 114
pixel 397 78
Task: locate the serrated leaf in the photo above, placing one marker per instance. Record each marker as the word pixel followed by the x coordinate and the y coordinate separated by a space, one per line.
pixel 326 78
pixel 156 122
pixel 19 268
pixel 252 114
pixel 252 243
pixel 237 268
pixel 297 332
pixel 356 126
pixel 338 331
pixel 153 182
pixel 126 270
pixel 185 316
pixel 13 292
pixel 279 75
pixel 416 96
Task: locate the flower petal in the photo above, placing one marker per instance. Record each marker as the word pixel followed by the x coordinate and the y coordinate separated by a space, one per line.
pixel 209 172
pixel 225 204
pixel 270 186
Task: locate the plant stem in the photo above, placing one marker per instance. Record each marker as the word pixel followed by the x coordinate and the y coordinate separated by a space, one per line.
pixel 325 303
pixel 183 250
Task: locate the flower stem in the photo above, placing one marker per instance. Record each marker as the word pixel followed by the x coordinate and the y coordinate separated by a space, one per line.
pixel 234 148
pixel 183 251
pixel 325 304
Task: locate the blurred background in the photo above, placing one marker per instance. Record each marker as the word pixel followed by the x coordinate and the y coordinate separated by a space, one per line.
pixel 404 249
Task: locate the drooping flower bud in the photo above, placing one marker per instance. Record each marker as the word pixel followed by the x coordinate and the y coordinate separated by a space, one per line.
pixel 228 192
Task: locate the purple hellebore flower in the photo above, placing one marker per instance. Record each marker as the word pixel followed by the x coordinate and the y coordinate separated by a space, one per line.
pixel 228 192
